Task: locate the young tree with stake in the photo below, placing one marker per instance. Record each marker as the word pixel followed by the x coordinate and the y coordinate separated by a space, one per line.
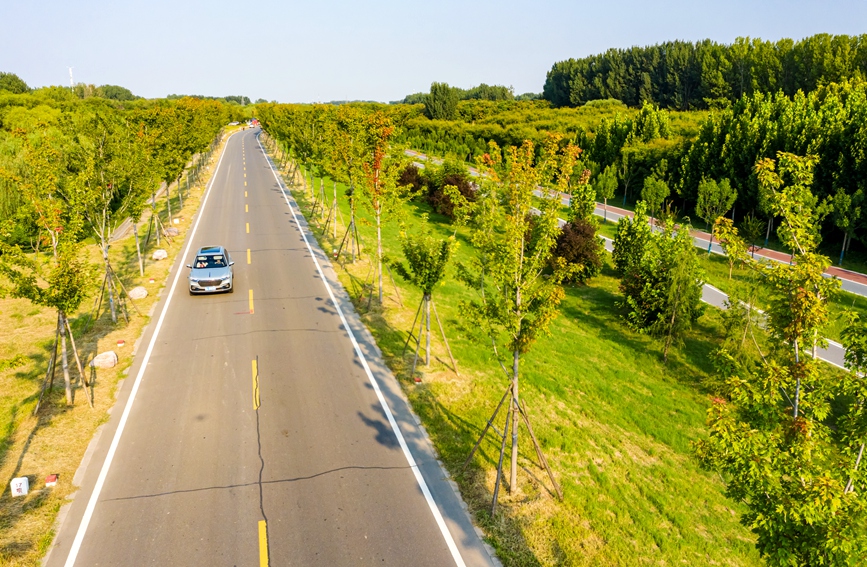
pixel 427 258
pixel 68 276
pixel 381 193
pixel 516 300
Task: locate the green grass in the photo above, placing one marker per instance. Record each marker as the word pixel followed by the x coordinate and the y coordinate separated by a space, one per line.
pixel 616 425
pixel 716 269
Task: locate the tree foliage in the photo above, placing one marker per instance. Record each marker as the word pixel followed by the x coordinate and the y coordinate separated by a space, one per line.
pixel 579 248
pixel 715 198
pixel 660 277
pixel 442 102
pixel 654 192
pixel 789 432
pixel 426 257
pixel 10 82
pixel 685 75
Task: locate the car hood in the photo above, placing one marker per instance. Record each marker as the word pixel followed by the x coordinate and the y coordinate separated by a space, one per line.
pixel 209 273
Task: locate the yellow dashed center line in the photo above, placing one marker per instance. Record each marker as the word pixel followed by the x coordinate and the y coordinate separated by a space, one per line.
pixel 263 544
pixel 248 228
pixel 248 256
pixel 251 302
pixel 245 184
pixel 245 175
pixel 246 208
pixel 256 388
pixel 245 193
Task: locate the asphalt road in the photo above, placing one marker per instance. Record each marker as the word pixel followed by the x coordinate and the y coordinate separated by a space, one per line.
pixel 261 427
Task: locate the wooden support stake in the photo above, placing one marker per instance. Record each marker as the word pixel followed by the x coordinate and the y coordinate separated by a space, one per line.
pixel 539 452
pixel 445 340
pixel 87 392
pixel 485 430
pixel 500 463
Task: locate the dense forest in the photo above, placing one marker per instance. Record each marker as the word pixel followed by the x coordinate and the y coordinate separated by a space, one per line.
pixel 683 75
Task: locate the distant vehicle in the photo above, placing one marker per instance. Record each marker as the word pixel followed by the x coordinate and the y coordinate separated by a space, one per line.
pixel 211 271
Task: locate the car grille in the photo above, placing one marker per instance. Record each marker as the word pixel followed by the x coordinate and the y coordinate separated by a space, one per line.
pixel 208 283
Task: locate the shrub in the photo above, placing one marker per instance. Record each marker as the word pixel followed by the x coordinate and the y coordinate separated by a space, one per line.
pixel 579 246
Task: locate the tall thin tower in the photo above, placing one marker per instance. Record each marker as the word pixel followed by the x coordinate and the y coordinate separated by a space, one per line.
pixel 71 82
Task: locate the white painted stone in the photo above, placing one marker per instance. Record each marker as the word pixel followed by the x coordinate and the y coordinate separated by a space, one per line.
pixel 20 486
pixel 172 231
pixel 160 254
pixel 138 293
pixel 105 360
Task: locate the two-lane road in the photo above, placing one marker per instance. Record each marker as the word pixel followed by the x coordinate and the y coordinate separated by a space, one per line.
pixel 260 427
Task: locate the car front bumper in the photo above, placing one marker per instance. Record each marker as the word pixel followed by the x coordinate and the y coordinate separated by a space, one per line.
pixel 210 286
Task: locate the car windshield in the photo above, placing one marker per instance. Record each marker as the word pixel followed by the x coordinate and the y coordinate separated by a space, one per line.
pixel 214 261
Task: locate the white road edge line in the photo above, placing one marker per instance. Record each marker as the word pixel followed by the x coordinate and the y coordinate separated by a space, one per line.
pixel 450 542
pixel 100 481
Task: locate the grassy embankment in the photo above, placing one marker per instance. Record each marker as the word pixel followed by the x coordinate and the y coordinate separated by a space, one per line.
pixel 54 441
pixel 616 424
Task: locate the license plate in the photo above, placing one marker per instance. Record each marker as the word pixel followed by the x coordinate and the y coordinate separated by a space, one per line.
pixel 210 288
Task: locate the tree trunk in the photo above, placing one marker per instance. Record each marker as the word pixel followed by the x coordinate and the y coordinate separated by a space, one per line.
pixel 138 249
pixel 169 202
pixel 850 486
pixel 334 228
pixel 110 285
pixel 843 249
pixel 154 216
pixel 352 222
pixel 64 358
pixel 605 216
pixel 513 473
pixel 768 232
pixel 797 383
pixel 427 330
pixel 180 193
pixel 710 242
pixel 379 250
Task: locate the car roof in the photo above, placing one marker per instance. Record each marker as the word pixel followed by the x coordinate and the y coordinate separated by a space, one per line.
pixel 210 250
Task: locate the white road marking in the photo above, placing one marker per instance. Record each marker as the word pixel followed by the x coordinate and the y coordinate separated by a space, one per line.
pixel 103 473
pixel 450 542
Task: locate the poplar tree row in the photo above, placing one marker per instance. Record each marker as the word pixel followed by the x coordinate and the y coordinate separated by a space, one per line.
pixel 683 75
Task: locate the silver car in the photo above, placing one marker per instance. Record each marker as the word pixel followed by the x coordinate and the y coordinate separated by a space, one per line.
pixel 211 271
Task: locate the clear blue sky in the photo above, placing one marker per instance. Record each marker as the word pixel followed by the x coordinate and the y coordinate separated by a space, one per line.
pixel 375 50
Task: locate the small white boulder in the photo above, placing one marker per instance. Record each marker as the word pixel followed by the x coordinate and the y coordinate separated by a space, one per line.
pixel 105 360
pixel 172 231
pixel 138 293
pixel 160 254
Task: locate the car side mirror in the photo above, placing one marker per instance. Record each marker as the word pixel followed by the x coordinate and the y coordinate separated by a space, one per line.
pixel 190 266
pixel 232 263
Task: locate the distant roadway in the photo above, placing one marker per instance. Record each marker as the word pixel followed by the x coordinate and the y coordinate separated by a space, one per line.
pixel 261 427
